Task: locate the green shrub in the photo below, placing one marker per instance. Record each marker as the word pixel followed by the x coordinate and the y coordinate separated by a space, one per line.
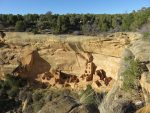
pixel 131 74
pixel 20 26
pixel 11 85
pixel 37 96
pixel 146 35
pixel 13 81
pixel 35 31
pixel 10 88
pixel 89 96
pixel 13 91
pixel 37 106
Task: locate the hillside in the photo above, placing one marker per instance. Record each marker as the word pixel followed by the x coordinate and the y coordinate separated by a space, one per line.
pixel 115 57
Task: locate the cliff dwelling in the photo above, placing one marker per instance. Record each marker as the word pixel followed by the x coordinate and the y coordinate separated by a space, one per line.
pixel 85 62
pixel 96 78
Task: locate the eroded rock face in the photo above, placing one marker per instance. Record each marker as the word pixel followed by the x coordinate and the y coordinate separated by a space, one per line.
pixel 140 49
pixel 116 101
pixel 70 54
pixel 116 98
pixel 60 105
pixel 145 83
pixel 67 104
pixel 31 64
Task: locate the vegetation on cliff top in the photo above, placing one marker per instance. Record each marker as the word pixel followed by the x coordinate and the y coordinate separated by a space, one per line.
pixel 88 24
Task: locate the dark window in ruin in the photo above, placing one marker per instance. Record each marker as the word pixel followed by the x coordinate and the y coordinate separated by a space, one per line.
pixel 98 83
pixel 48 78
pixel 43 77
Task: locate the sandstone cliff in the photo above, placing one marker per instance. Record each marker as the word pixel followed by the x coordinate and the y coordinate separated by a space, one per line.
pixel 68 53
pixel 120 101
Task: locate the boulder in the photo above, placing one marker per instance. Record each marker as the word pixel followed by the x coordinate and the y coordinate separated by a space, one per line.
pixel 31 64
pixel 114 103
pixel 59 105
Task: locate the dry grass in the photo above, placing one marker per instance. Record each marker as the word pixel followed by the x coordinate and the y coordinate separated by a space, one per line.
pixel 145 109
pixel 24 36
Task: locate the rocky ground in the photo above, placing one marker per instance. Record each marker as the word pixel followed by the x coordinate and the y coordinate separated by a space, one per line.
pixel 69 54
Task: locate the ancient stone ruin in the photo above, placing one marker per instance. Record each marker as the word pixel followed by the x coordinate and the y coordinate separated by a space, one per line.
pixel 96 76
pixel 33 67
pixel 59 79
